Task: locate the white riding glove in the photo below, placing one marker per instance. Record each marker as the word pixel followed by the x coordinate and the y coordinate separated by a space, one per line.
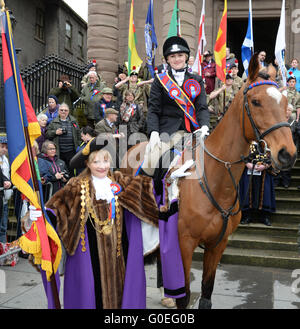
pixel 181 171
pixel 34 213
pixel 204 130
pixel 154 140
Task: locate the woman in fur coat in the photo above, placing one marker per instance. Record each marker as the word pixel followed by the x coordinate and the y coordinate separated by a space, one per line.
pixel 88 216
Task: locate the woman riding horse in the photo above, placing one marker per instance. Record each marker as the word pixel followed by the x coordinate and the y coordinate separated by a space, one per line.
pixel 177 101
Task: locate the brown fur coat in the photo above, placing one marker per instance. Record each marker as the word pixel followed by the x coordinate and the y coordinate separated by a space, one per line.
pixel 137 197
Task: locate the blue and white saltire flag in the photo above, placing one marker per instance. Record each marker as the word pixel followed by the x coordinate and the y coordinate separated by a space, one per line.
pixel 248 46
pixel 150 39
pixel 280 44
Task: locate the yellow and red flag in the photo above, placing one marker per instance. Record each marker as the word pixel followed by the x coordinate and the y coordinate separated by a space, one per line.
pixel 220 46
pixel 22 129
pixel 133 57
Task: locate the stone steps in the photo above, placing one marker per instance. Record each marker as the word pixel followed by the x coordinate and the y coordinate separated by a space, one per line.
pixel 256 257
pixel 271 246
pixel 249 240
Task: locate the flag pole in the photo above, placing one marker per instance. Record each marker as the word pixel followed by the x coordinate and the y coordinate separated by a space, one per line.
pixel 37 190
pixel 33 171
pixel 178 19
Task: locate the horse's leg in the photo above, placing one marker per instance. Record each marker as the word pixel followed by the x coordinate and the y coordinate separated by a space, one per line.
pixel 210 263
pixel 187 246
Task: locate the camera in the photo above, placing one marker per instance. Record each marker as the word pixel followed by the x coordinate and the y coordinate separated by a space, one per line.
pixel 65 85
pixel 65 174
pixel 64 130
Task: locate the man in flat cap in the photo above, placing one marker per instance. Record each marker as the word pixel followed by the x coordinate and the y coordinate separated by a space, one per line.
pixel 108 124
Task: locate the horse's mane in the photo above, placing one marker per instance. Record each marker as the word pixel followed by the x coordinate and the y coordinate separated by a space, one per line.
pixel 264 75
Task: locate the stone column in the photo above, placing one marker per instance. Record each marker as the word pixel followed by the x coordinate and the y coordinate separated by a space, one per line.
pixel 103 37
pixel 187 14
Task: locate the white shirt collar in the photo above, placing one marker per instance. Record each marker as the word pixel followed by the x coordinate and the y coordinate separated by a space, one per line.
pixel 103 188
pixel 179 76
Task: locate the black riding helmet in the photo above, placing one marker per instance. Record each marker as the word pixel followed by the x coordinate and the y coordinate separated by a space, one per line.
pixel 175 45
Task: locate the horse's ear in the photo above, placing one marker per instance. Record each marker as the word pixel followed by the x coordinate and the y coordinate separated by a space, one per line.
pixel 272 72
pixel 253 68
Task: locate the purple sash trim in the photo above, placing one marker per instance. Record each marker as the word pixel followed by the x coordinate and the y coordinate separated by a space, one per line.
pixel 134 294
pixel 171 263
pixel 170 254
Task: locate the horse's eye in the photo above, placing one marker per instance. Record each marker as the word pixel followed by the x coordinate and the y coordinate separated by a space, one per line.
pixel 255 102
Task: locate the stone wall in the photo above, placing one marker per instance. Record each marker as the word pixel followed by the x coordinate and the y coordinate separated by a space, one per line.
pixel 190 11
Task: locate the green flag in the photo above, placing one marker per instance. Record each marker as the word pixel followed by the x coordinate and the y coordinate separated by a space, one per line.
pixel 173 28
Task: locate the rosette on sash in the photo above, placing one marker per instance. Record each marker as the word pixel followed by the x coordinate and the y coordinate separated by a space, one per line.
pixel 184 98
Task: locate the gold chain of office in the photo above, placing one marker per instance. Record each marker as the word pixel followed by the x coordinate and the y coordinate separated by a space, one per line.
pixel 106 226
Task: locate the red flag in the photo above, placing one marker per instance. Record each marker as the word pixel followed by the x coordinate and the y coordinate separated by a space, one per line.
pixel 220 46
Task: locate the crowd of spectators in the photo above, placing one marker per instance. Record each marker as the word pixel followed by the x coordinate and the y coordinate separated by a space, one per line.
pixel 125 103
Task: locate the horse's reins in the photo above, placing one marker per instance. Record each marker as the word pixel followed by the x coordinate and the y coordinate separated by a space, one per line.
pixel 259 139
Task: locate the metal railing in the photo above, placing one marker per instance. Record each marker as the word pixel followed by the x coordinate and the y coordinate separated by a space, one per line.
pixel 40 77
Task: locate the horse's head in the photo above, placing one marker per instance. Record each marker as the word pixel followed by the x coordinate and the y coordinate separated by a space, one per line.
pixel 264 115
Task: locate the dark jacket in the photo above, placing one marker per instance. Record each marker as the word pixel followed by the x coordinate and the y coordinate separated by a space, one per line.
pixel 2 179
pixel 68 96
pixel 49 167
pixel 55 124
pixel 40 140
pixel 165 116
pixel 209 67
pixel 52 115
pixel 100 107
pixel 132 116
pixel 103 127
pixel 90 94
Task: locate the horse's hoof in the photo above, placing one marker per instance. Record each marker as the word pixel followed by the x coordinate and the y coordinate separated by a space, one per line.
pixel 183 302
pixel 204 304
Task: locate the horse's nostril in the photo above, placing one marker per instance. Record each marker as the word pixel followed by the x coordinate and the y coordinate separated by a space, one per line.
pixel 286 159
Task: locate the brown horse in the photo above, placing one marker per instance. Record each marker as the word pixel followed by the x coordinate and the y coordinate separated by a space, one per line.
pixel 257 112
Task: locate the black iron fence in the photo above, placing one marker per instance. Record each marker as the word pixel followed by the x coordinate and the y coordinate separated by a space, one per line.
pixel 40 77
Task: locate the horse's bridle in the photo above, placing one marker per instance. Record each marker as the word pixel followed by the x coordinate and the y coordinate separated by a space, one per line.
pixel 259 136
pixel 259 139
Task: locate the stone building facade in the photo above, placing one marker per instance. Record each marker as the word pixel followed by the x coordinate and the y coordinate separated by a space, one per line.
pixel 41 30
pixel 108 22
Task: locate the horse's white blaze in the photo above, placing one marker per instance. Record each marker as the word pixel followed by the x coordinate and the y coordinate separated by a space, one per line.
pixel 275 93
